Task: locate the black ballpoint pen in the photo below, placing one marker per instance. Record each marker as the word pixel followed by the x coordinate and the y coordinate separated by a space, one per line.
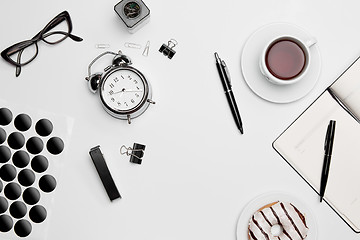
pixel 225 80
pixel 328 146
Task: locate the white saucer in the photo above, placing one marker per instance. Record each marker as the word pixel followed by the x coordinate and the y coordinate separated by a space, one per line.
pixel 262 200
pixel 257 82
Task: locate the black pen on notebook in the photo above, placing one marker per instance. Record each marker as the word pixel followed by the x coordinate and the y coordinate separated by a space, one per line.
pixel 328 146
pixel 225 80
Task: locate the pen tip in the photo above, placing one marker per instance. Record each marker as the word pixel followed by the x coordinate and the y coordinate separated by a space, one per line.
pixel 216 55
pixel 321 198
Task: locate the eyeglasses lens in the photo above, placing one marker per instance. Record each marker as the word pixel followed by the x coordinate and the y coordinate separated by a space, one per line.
pixel 57 31
pixel 23 52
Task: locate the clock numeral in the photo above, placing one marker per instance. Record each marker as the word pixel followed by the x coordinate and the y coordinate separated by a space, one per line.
pixel 137 95
pixel 116 79
pixel 113 99
pixel 111 85
pixel 130 78
pixel 126 104
pixel 132 100
pixel 137 88
pixel 118 103
pixel 122 77
pixel 111 92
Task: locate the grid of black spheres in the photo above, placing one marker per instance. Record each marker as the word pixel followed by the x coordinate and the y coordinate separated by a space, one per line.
pixel 23 164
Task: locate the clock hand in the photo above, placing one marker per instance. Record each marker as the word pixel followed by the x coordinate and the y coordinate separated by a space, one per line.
pixel 133 90
pixel 124 90
pixel 121 91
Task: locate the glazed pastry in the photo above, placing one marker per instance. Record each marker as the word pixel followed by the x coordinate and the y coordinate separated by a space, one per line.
pixel 286 215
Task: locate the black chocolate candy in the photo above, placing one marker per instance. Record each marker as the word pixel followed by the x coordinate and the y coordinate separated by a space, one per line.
pixel 12 191
pixel 18 209
pixel 55 145
pixel 34 145
pixel 7 172
pixel 22 228
pixel 16 140
pixel 5 154
pixel 22 122
pixel 44 127
pixel 26 177
pixel 6 223
pixel 2 135
pixel 47 183
pixel 37 214
pixel 39 163
pixel 21 159
pixel 31 196
pixel 5 116
pixel 3 205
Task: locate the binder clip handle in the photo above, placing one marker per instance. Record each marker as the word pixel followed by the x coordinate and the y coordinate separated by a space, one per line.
pixel 172 43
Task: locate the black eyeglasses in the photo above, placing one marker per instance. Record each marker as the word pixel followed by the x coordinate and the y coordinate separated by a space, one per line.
pixel 48 36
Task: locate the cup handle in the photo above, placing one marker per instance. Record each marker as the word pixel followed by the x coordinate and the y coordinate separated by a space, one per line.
pixel 311 42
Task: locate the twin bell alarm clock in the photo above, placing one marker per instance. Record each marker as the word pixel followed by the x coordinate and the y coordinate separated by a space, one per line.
pixel 124 91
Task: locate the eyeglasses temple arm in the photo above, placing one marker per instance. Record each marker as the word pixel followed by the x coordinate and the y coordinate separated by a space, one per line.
pixel 75 38
pixel 18 68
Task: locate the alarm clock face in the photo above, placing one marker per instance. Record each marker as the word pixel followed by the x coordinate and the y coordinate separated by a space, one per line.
pixel 123 91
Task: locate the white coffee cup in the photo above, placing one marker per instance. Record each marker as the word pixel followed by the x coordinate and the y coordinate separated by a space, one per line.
pixel 286 59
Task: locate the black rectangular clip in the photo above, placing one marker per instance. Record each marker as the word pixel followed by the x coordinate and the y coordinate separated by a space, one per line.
pixel 104 173
pixel 136 152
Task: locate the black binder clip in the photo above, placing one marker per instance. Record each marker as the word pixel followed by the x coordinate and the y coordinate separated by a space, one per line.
pixel 136 152
pixel 168 50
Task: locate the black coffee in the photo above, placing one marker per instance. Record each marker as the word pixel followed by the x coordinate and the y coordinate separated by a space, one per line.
pixel 285 59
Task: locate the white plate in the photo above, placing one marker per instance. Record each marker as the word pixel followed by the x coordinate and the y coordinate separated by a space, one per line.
pixel 257 82
pixel 262 200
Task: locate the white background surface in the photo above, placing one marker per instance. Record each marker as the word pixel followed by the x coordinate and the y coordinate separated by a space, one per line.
pixel 198 171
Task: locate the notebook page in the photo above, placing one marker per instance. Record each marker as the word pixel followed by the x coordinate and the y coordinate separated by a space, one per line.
pixel 302 145
pixel 347 88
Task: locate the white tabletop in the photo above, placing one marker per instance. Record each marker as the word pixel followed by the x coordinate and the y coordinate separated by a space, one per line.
pixel 198 171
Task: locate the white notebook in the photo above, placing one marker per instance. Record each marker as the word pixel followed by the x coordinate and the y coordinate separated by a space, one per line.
pixel 302 145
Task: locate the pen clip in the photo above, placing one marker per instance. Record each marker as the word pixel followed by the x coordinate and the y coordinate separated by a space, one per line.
pixel 327 137
pixel 223 64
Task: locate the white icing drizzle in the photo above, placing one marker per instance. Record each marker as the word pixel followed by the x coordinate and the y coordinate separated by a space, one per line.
pixel 282 213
